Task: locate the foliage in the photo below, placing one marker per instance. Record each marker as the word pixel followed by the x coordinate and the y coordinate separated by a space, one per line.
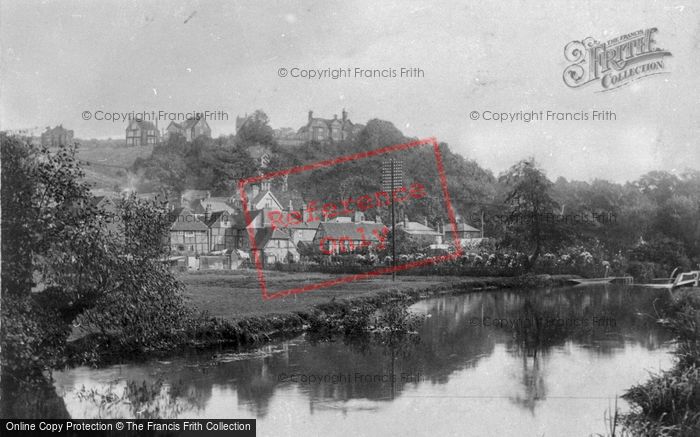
pixel 530 204
pixel 70 261
pixel 669 403
pixel 178 165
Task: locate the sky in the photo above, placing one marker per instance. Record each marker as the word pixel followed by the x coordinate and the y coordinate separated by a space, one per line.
pixel 59 59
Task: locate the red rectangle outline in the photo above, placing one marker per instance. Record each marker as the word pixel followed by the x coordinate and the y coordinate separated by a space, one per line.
pixel 327 163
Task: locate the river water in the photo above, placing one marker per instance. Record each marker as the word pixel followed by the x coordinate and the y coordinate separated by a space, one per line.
pixel 545 362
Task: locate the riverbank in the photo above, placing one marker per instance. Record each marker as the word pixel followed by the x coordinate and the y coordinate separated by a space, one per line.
pixel 238 315
pixel 668 404
pixel 230 312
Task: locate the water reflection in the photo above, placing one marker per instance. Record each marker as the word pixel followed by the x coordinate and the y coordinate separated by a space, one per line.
pixel 496 348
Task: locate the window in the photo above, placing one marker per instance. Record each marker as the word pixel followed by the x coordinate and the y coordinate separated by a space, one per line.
pixel 189 234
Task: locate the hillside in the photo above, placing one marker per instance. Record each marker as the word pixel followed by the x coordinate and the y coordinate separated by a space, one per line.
pixel 107 163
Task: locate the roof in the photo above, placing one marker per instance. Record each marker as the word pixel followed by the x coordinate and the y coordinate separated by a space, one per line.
pixel 416 228
pixel 306 225
pixel 350 230
pixel 264 235
pixel 55 130
pixel 194 194
pixel 217 217
pixel 239 220
pixel 200 206
pixel 182 219
pixel 462 227
pixel 142 124
pixel 344 125
pixel 186 124
pixel 255 200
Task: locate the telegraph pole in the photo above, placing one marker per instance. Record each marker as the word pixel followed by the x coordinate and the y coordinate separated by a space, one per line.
pixel 392 178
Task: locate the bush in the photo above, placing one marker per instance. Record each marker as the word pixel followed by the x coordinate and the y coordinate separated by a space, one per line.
pixel 645 271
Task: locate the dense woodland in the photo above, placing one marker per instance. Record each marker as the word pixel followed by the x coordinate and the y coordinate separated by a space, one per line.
pixel 646 227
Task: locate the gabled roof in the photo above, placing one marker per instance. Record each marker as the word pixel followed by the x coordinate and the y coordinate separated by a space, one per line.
pixel 260 197
pixel 142 124
pixel 182 219
pixel 264 235
pixel 216 219
pixel 191 122
pixel 350 230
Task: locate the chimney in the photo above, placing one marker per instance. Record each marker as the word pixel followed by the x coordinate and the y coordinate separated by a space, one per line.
pixel 405 221
pixel 377 219
pixel 208 194
pixel 311 115
pixel 425 221
pixel 335 116
pixel 291 207
pixel 345 115
pixel 255 190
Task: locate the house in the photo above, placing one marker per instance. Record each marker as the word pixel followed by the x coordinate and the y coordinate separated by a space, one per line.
pixel 324 129
pixel 319 129
pixel 464 232
pixel 190 128
pixel 420 231
pixel 274 246
pixel 224 232
pixel 141 133
pixel 58 136
pixel 188 234
pixel 304 232
pixel 209 205
pixel 262 198
pixel 347 237
pixel 260 154
pixel 189 197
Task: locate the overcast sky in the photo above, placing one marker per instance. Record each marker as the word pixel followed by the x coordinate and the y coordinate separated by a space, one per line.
pixel 62 58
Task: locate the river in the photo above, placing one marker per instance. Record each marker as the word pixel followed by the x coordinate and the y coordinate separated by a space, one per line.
pixel 544 362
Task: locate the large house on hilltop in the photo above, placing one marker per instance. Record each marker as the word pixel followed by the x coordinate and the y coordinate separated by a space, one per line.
pixel 58 136
pixel 141 133
pixel 322 130
pixel 190 128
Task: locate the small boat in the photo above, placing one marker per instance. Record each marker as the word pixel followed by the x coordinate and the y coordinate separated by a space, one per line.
pixel 605 280
pixel 589 281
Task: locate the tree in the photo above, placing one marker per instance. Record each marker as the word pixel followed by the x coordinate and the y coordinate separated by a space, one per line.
pixel 68 260
pixel 530 208
pixel 256 130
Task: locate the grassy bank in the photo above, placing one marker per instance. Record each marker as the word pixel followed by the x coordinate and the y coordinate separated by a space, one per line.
pixel 230 310
pixel 669 403
pixel 236 313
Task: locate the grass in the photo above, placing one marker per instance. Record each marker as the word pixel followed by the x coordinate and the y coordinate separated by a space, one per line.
pixel 106 165
pixel 236 294
pixel 669 403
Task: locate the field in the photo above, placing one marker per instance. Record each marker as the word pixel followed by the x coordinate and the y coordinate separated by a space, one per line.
pixel 105 164
pixel 236 294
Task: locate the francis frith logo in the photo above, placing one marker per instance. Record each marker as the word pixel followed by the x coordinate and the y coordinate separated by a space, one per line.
pixel 615 62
